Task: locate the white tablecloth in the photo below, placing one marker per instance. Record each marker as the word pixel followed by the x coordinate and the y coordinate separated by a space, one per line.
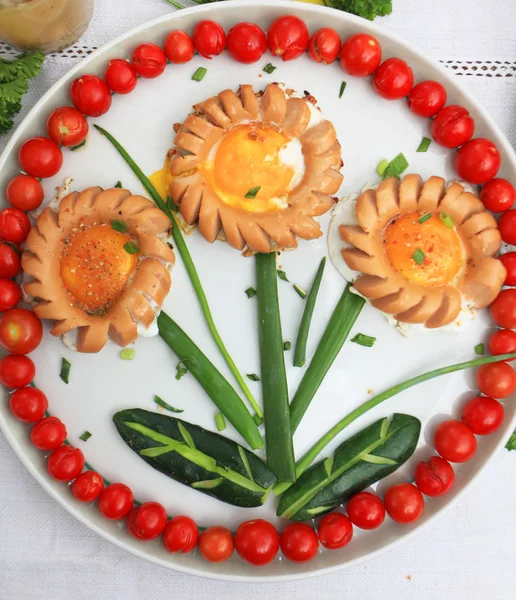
pixel 468 553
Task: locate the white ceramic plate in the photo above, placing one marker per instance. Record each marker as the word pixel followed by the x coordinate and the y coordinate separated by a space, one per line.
pixel 369 129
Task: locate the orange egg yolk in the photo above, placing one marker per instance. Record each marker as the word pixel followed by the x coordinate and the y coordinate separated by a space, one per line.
pixel 437 247
pixel 247 157
pixel 95 267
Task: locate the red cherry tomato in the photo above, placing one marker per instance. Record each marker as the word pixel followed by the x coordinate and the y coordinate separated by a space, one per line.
pixel 120 76
pixel 503 309
pixel 434 477
pixel 478 161
pixel 14 225
pixel 16 371
pixel 90 95
pixel 40 157
pixel 508 260
pixel 324 46
pixel 88 486
pixel 65 463
pixel 299 542
pixel 361 55
pixel 209 38
pixel 179 47
pixel 366 510
pixel 20 331
pixel 28 404
pixel 216 544
pixel 257 542
pixel 335 531
pixel 48 434
pixel 483 415
pixel 66 126
pixel 393 79
pixel 497 380
pixel 116 501
pixel 455 442
pixel 502 341
pixel 146 522
pixel 10 294
pixel 24 192
pixel 288 37
pixel 452 126
pixel 507 227
pixel 404 503
pixel 149 60
pixel 427 98
pixel 498 195
pixel 10 260
pixel 180 535
pixel 246 43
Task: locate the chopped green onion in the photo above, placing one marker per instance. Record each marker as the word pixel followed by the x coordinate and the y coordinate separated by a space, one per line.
pixel 251 292
pixel 166 406
pixel 424 145
pixel 269 68
pixel 382 167
pixel 418 256
pixel 171 204
pixel 511 444
pixel 423 218
pixel 396 167
pixel 301 292
pixel 447 220
pixel 252 377
pixel 131 248
pixel 251 194
pixel 258 420
pixel 181 370
pixel 119 226
pixel 283 276
pixel 286 346
pixel 364 340
pixel 479 349
pixel 65 370
pixel 220 421
pixel 85 436
pixel 128 353
pixel 199 74
pixel 74 148
pixel 118 184
pixel 342 88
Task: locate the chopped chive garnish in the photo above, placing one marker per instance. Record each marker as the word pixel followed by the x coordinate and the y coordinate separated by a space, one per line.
pixel 269 68
pixel 118 184
pixel 181 370
pixel 199 74
pixel 128 353
pixel 447 220
pixel 251 194
pixel 73 148
pixel 418 256
pixel 252 377
pixel 166 406
pixel 286 346
pixel 220 421
pixel 479 349
pixel 251 292
pixel 131 248
pixel 65 370
pixel 364 340
pixel 171 204
pixel 396 167
pixel 283 276
pixel 85 436
pixel 424 145
pixel 119 226
pixel 342 88
pixel 424 218
pixel 300 291
pixel 258 420
pixel 382 167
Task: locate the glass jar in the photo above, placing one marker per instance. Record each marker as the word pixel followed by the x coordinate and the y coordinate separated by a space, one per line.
pixel 46 25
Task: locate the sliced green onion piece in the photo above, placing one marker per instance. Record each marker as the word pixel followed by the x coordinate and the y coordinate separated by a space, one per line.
pixel 301 292
pixel 118 184
pixel 128 353
pixel 364 340
pixel 342 88
pixel 269 68
pixel 251 194
pixel 85 436
pixel 283 276
pixel 131 248
pixel 447 220
pixel 423 218
pixel 479 349
pixel 286 346
pixel 166 406
pixel 253 377
pixel 118 226
pixel 424 145
pixel 74 148
pixel 220 421
pixel 396 167
pixel 511 444
pixel 251 292
pixel 258 420
pixel 418 256
pixel 65 370
pixel 382 167
pixel 181 370
pixel 199 74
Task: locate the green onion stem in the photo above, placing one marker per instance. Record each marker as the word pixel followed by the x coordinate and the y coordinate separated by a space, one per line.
pixel 176 4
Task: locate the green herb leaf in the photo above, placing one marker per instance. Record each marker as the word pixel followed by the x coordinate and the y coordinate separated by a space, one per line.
pixel 423 218
pixel 166 406
pixel 396 167
pixel 85 436
pixel 424 145
pixel 131 248
pixel 199 74
pixel 418 256
pixel 251 292
pixel 283 276
pixel 65 370
pixel 252 377
pixel 81 145
pixel 181 370
pixel 128 353
pixel 382 167
pixel 479 349
pixel 286 346
pixel 342 88
pixel 220 422
pixel 364 340
pixel 447 220
pixel 251 194
pixel 119 226
pixel 511 444
pixel 301 292
pixel 118 184
pixel 269 68
pixel 368 9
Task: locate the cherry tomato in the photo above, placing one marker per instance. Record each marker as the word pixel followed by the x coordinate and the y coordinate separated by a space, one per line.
pixel 90 95
pixel 180 535
pixel 28 404
pixel 149 60
pixel 66 126
pixel 120 76
pixel 146 522
pixel 40 157
pixel 434 477
pixel 10 260
pixel 10 294
pixel 116 501
pixel 24 192
pixel 257 542
pixel 299 542
pixel 507 227
pixel 455 442
pixel 502 341
pixel 16 371
pixel 324 46
pixel 179 47
pixel 246 43
pixel 361 55
pixel 478 161
pixel 498 195
pixel 503 309
pixel 366 510
pixel 452 126
pixel 209 38
pixel 288 37
pixel 427 98
pixel 216 544
pixel 393 79
pixel 14 225
pixel 508 260
pixel 404 503
pixel 20 331
pixel 497 380
pixel 65 463
pixel 48 434
pixel 483 415
pixel 88 486
pixel 335 531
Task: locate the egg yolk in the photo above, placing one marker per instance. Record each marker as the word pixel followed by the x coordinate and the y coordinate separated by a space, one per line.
pixel 95 267
pixel 428 253
pixel 246 158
